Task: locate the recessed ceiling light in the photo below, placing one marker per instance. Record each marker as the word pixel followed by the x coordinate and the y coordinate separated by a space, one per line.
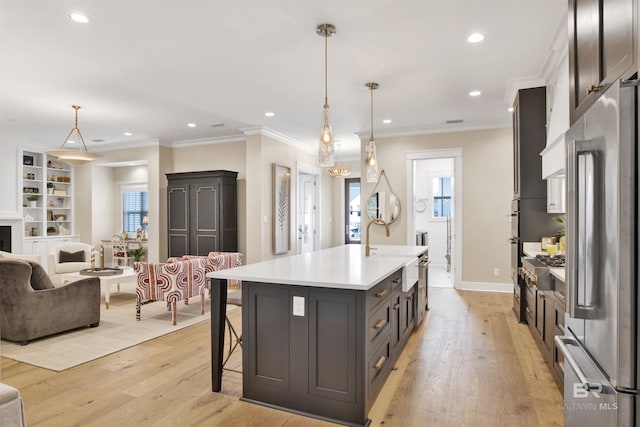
pixel 475 93
pixel 387 121
pixel 269 114
pixel 79 17
pixel 131 164
pixel 127 134
pixel 71 141
pixel 191 125
pixel 510 109
pixel 475 38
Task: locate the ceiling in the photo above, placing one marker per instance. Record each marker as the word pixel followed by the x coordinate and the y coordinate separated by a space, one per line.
pixel 150 67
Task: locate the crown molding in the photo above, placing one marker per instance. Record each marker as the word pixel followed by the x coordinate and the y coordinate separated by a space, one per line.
pixel 278 136
pixel 128 145
pixel 434 130
pixel 208 141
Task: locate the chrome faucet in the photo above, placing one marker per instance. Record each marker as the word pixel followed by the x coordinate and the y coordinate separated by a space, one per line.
pixel 367 249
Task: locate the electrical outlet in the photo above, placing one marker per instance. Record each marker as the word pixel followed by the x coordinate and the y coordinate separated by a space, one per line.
pixel 496 272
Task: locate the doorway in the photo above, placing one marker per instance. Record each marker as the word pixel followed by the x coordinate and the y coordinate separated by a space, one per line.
pixel 307 209
pixel 352 210
pixel 435 188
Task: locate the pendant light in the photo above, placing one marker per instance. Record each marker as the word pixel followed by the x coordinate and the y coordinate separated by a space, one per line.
pixel 339 171
pixel 372 160
pixel 326 151
pixel 74 157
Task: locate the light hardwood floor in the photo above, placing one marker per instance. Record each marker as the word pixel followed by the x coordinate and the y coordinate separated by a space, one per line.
pixel 469 364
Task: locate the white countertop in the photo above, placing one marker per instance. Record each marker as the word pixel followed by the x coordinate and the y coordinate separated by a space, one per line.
pixel 341 267
pixel 531 249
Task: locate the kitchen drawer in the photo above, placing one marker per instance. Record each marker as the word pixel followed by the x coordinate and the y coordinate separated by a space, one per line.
pixel 379 323
pixel 377 368
pixel 530 311
pixel 379 293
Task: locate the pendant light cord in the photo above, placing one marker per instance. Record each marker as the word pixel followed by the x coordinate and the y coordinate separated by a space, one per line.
pixel 326 98
pixel 371 139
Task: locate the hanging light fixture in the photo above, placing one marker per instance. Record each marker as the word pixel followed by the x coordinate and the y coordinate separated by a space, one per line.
pixel 74 157
pixel 372 161
pixel 339 171
pixel 327 151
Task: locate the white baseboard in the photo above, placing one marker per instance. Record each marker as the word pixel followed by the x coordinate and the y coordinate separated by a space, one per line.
pixel 486 287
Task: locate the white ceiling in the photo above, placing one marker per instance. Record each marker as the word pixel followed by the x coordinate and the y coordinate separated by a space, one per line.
pixel 150 67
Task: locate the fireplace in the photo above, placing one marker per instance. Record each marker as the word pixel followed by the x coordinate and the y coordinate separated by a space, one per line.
pixel 11 234
pixel 5 238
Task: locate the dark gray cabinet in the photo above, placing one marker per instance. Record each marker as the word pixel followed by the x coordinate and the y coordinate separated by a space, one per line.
pixel 529 139
pixel 331 359
pixel 601 48
pixel 202 212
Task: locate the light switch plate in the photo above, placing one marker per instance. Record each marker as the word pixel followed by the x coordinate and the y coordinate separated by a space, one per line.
pixel 298 306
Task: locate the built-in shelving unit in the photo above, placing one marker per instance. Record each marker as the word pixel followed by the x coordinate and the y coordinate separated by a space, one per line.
pixel 47 202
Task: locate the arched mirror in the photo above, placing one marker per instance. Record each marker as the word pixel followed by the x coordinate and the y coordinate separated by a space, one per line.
pixel 383 203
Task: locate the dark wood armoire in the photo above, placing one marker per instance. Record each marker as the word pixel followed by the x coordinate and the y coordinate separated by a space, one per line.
pixel 202 212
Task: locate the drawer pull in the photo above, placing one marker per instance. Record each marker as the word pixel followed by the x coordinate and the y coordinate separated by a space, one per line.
pixel 396 306
pixel 409 297
pixel 593 88
pixel 380 324
pixel 382 293
pixel 397 280
pixel 380 363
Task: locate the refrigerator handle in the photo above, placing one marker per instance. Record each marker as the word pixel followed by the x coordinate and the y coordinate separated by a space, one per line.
pixel 561 343
pixel 583 220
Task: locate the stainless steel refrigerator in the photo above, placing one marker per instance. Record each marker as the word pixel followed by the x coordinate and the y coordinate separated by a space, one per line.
pixel 600 344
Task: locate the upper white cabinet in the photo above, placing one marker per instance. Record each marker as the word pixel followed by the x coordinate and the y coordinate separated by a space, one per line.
pixel 556 194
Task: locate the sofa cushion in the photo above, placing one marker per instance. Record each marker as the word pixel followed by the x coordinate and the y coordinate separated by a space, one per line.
pixel 71 256
pixel 71 267
pixel 39 278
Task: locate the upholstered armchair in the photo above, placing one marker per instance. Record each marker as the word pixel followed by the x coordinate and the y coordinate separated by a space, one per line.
pixel 170 282
pixel 217 261
pixel 31 307
pixel 69 258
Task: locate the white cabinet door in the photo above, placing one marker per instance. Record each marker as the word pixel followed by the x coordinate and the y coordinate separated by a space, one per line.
pixel 556 194
pixel 38 247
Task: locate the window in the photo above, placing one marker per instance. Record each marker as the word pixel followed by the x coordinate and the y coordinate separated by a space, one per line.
pixel 441 196
pixel 352 210
pixel 135 206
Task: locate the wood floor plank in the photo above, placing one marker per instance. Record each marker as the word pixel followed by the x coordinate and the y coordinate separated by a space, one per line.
pixel 469 364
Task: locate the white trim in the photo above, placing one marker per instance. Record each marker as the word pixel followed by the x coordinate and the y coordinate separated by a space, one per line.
pixel 456 153
pixel 486 287
pixel 437 129
pixel 278 136
pixel 209 141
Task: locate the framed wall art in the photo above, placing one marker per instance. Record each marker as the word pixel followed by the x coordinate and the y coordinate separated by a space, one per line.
pixel 281 209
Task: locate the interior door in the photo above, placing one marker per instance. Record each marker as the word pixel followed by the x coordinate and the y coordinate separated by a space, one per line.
pixel 307 211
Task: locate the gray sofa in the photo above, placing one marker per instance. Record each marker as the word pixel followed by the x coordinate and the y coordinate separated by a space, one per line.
pixel 30 307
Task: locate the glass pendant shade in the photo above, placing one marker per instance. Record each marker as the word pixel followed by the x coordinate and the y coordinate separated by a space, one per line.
pixel 74 157
pixel 372 163
pixel 326 154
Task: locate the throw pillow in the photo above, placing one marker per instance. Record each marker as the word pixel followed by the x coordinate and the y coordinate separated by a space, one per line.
pixel 39 278
pixel 71 256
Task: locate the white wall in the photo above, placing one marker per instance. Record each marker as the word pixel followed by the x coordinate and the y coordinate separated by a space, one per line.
pixel 487 190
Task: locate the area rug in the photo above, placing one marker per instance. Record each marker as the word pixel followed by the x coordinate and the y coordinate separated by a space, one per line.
pixel 118 330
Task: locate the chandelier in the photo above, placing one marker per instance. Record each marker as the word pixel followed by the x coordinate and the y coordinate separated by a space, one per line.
pixel 74 157
pixel 326 150
pixel 372 161
pixel 339 171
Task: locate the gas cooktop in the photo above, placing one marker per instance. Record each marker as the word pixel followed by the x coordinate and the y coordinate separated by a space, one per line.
pixel 551 260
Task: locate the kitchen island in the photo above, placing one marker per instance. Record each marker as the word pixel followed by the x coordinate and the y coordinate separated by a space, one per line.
pixel 321 330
